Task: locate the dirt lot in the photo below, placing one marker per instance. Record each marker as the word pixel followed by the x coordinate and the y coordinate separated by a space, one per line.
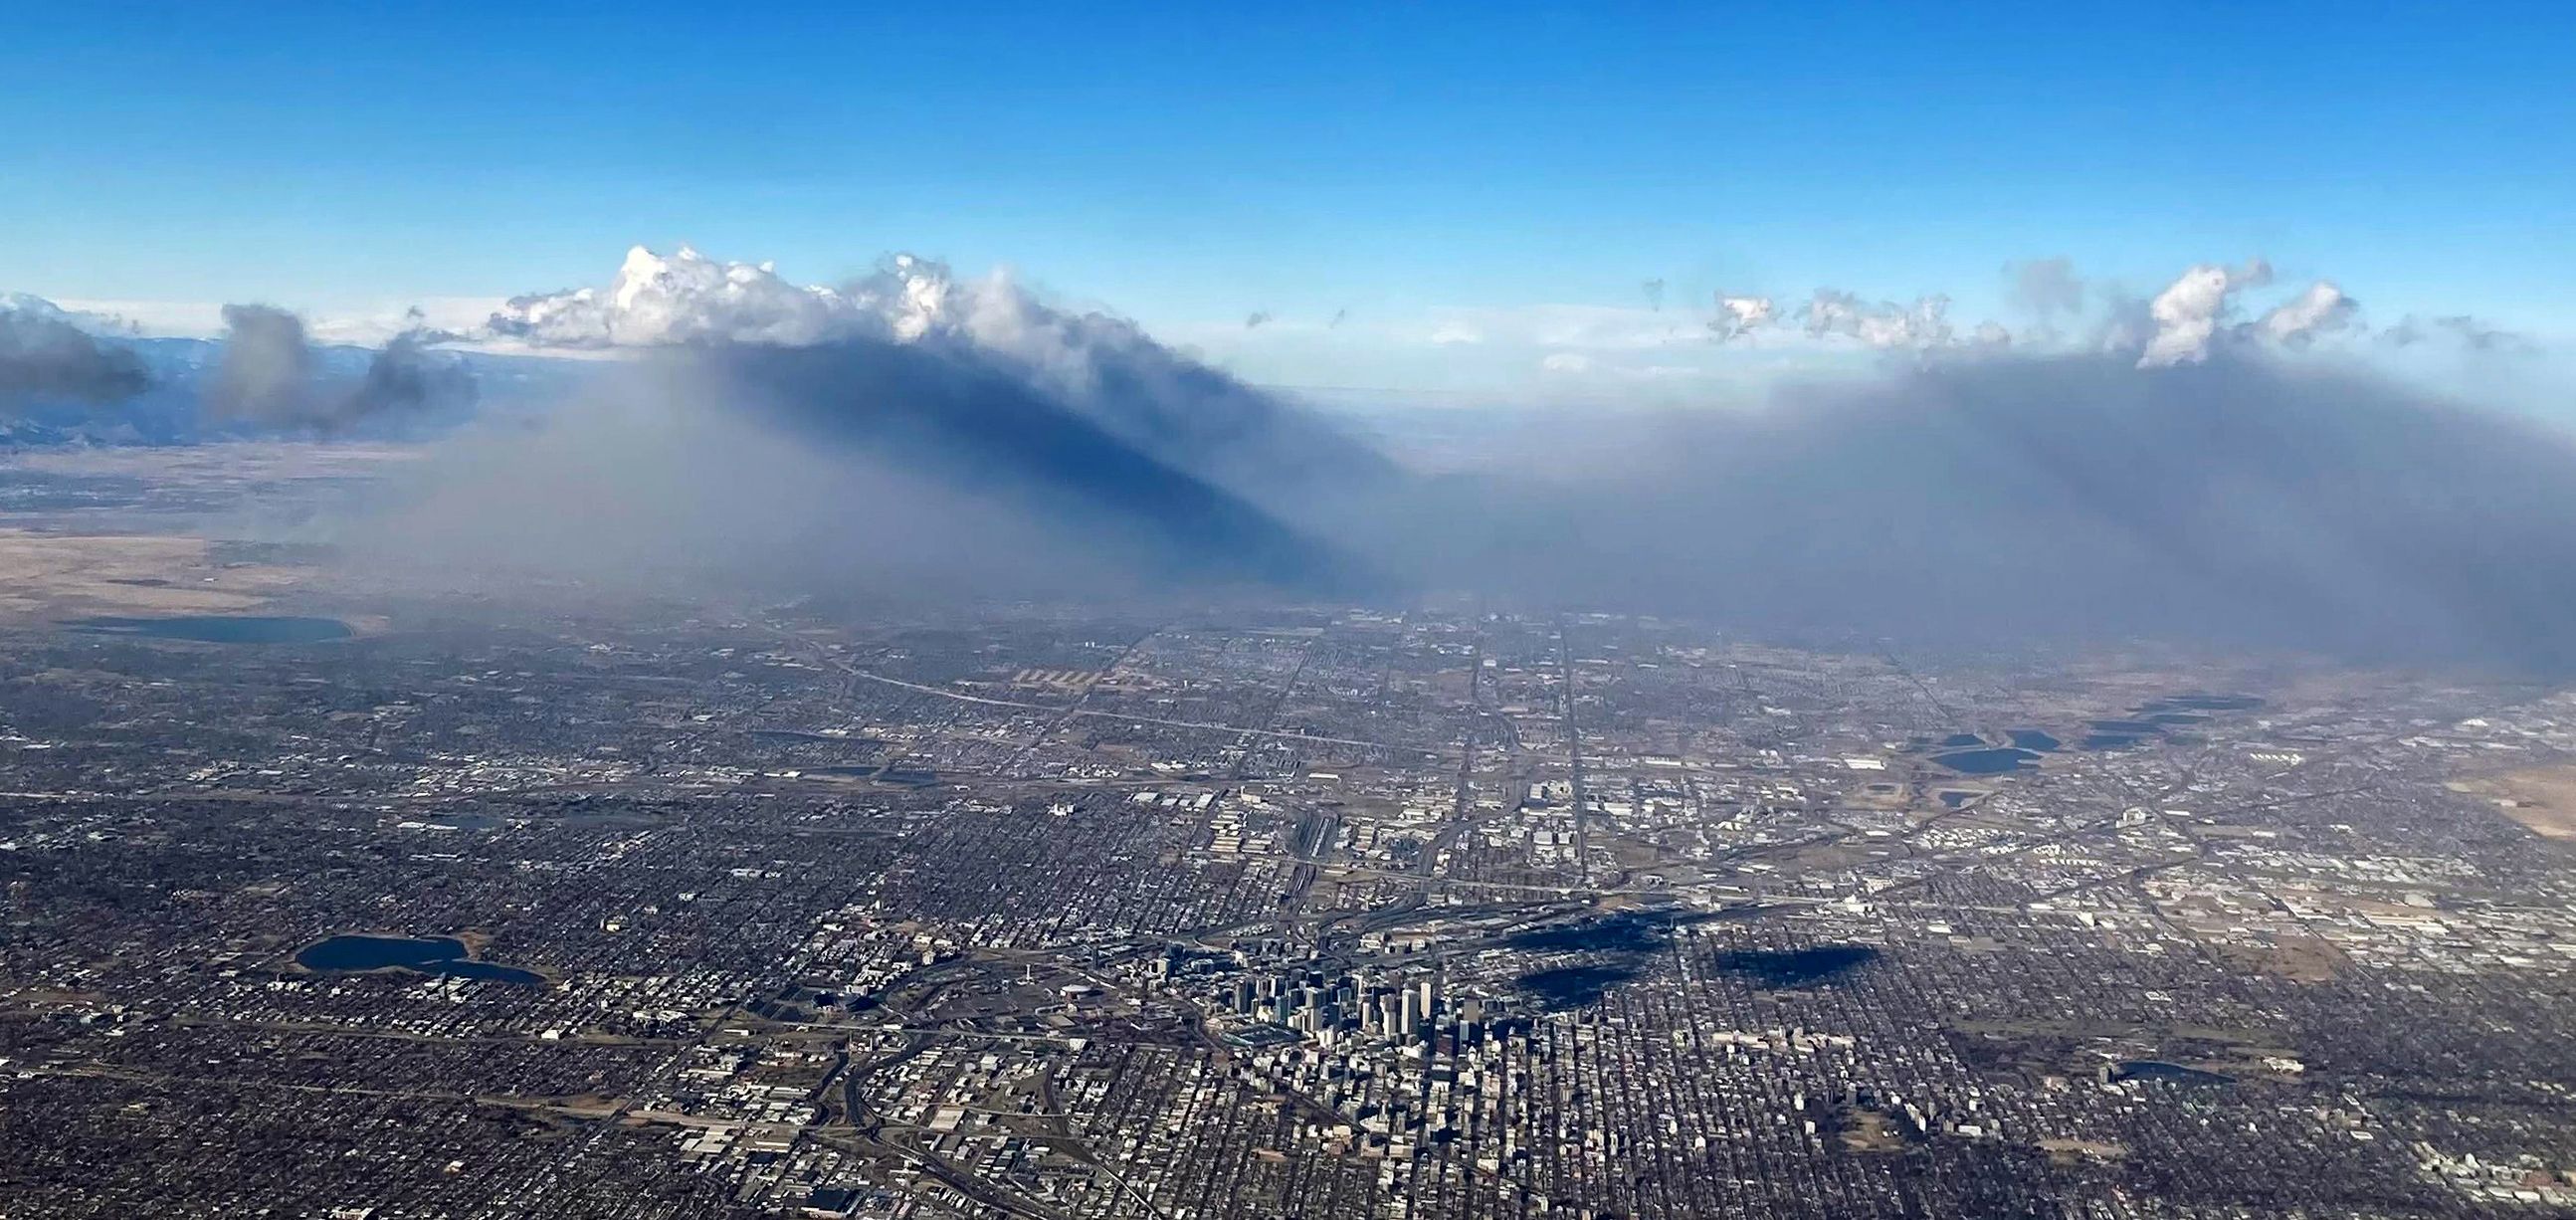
pixel 2541 798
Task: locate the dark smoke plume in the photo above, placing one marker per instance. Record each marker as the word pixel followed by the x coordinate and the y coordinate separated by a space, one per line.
pixel 45 358
pixel 406 376
pixel 266 371
pixel 270 375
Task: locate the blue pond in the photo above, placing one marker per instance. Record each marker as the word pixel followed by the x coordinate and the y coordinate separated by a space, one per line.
pixel 442 955
pixel 1987 762
pixel 2170 1073
pixel 223 628
pixel 2204 703
pixel 2155 719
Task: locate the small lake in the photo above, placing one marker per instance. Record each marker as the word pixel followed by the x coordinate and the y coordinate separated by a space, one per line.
pixel 2203 703
pixel 440 955
pixel 2033 739
pixel 223 628
pixel 2156 720
pixel 2169 1073
pixel 1987 762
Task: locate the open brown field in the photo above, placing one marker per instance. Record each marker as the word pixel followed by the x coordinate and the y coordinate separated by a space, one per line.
pixel 2543 799
pixel 60 576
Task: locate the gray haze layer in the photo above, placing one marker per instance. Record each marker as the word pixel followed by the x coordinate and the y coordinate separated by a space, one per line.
pixel 1988 501
pixel 1976 501
pixel 663 480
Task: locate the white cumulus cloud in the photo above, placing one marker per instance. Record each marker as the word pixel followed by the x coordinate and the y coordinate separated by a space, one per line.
pixel 1738 316
pixel 688 297
pixel 1881 324
pixel 2322 309
pixel 2188 312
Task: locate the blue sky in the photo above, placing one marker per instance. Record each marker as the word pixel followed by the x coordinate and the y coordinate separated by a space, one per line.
pixel 1190 164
